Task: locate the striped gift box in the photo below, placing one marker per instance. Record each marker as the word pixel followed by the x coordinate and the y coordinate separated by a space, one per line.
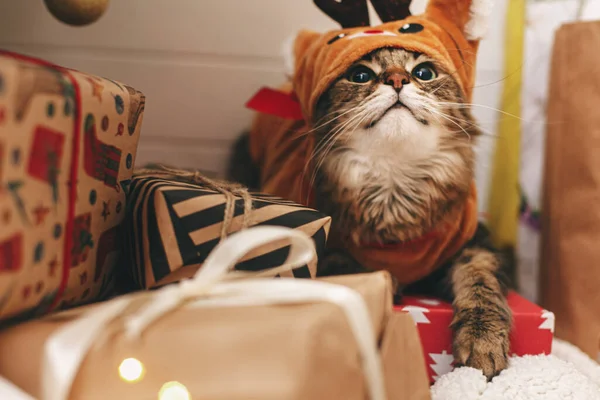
pixel 172 225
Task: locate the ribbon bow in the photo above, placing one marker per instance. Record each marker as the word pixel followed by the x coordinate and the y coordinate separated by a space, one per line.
pixel 215 285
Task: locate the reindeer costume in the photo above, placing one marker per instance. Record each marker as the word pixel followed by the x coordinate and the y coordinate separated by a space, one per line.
pixel 449 31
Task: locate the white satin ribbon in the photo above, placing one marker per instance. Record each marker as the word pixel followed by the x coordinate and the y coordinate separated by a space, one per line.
pixel 215 285
pixel 9 391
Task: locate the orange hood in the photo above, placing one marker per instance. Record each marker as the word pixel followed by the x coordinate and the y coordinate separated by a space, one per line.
pixel 449 31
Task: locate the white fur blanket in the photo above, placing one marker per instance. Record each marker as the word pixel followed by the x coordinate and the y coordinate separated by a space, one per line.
pixel 567 374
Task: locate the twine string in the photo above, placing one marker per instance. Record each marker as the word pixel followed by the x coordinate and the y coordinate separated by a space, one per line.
pixel 230 190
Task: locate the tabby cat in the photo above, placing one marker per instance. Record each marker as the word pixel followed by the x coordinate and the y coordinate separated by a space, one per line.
pixel 392 163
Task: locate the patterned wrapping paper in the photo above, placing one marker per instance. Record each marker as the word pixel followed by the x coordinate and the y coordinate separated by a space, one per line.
pixel 532 334
pixel 67 147
pixel 172 226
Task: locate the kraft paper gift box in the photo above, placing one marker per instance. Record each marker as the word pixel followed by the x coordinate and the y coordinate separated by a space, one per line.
pixel 223 335
pixel 67 147
pixel 569 272
pixel 175 218
pixel 532 332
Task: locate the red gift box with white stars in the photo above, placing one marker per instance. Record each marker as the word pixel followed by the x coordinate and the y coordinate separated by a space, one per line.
pixel 532 333
pixel 67 147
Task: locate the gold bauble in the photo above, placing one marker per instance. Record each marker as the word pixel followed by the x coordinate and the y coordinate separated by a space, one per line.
pixel 77 12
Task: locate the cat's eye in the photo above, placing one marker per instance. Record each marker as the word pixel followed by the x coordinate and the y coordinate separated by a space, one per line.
pixel 424 72
pixel 361 74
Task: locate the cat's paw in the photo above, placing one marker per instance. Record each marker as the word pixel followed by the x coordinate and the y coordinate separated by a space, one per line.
pixel 481 343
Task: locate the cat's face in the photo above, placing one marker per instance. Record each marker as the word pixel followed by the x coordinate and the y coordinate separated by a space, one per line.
pixel 393 130
pixel 397 97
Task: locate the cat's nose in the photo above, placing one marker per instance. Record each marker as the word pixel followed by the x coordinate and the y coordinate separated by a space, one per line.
pixel 397 80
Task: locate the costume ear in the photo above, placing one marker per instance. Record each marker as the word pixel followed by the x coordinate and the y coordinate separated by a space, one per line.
pixel 471 16
pixel 296 47
pixel 347 13
pixel 392 10
pixel 303 41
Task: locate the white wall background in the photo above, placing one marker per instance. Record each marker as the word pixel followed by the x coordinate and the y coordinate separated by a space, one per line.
pixel 198 61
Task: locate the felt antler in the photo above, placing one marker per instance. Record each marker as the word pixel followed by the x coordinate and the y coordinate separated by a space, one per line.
pixel 392 10
pixel 348 13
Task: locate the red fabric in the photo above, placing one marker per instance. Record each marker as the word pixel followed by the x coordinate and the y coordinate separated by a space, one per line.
pixel 532 331
pixel 274 102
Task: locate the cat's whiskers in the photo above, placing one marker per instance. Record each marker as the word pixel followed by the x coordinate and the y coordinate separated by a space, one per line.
pixel 322 143
pixel 484 131
pixel 441 85
pixel 447 118
pixel 468 105
pixel 325 123
pixel 332 135
pixel 318 149
pixel 349 126
pixel 433 106
pixel 364 104
pixel 322 149
pixel 340 130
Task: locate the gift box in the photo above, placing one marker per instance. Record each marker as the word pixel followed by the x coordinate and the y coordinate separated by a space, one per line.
pixel 532 333
pixel 570 218
pixel 227 335
pixel 175 218
pixel 67 148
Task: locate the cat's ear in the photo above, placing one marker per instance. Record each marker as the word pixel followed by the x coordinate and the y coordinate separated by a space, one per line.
pixel 296 47
pixel 471 16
